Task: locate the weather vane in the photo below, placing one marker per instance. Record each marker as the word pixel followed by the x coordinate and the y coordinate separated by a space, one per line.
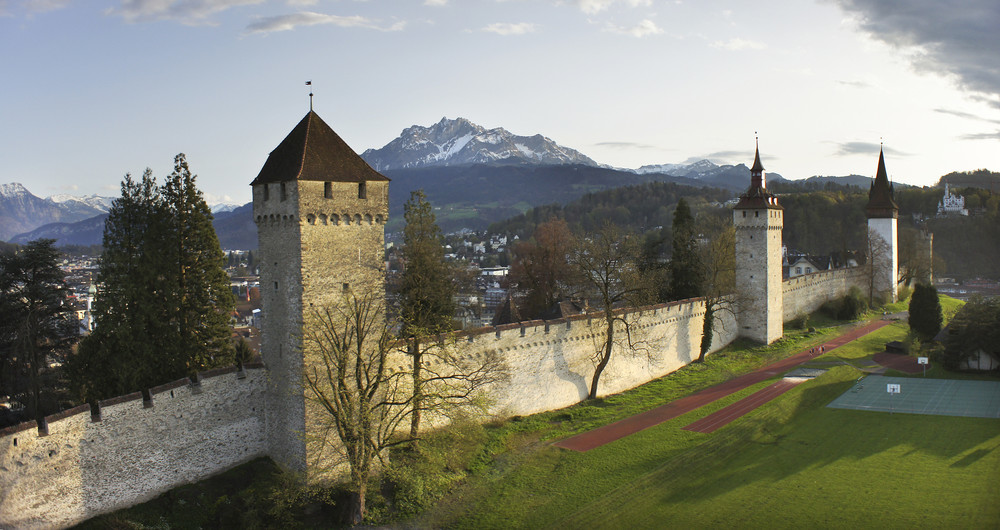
pixel 309 84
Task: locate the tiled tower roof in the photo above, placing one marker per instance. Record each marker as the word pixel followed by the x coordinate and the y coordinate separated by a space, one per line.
pixel 880 196
pixel 757 195
pixel 313 151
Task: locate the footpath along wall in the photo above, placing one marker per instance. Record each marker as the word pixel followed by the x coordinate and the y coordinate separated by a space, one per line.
pixel 76 466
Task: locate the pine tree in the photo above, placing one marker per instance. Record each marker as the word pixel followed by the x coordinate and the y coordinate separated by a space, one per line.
pixel 925 311
pixel 426 301
pixel 163 303
pixel 687 276
pixel 37 323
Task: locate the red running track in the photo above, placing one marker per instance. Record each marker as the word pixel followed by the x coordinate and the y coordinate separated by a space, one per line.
pixel 603 435
pixel 722 417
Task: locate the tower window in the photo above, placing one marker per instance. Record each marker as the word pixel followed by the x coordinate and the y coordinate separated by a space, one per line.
pixel 267 191
pixel 755 213
pixel 327 190
pixel 275 286
pixel 283 193
pixel 362 190
pixel 744 213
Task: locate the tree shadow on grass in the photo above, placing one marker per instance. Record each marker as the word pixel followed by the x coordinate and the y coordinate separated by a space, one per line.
pixel 791 435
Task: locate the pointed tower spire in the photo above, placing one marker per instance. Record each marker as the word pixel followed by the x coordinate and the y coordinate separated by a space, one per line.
pixel 756 195
pixel 881 203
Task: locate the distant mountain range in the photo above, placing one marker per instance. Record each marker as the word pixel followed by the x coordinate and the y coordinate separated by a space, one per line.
pixel 472 175
pixel 460 142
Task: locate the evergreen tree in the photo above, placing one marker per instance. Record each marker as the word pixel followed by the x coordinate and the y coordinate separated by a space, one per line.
pixel 925 311
pixel 426 302
pixel 37 323
pixel 199 300
pixel 687 276
pixel 163 304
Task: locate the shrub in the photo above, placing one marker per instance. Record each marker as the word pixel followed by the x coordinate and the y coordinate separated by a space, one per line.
pixel 925 312
pixel 852 305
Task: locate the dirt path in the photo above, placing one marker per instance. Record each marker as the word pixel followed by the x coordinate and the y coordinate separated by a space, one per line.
pixel 602 435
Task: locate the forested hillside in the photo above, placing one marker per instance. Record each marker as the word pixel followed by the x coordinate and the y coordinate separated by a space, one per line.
pixel 816 222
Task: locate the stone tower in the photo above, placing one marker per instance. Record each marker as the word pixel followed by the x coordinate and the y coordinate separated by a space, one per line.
pixel 882 212
pixel 320 212
pixel 758 220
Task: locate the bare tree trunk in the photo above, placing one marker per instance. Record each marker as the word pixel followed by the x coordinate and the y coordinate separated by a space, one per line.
pixel 604 359
pixel 417 391
pixel 706 331
pixel 357 514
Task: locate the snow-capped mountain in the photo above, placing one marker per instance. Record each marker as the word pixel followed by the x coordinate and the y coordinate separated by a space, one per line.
pixel 223 207
pixel 21 211
pixel 94 201
pixel 459 141
pixel 695 170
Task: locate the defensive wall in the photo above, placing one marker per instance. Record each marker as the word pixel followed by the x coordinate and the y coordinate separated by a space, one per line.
pixel 76 464
pixel 805 294
pixel 551 362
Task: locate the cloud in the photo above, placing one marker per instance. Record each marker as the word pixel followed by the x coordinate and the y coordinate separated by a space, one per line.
pixel 42 6
pixel 308 18
pixel 727 157
pixel 642 29
pixel 435 3
pixel 865 148
pixel 855 84
pixel 624 145
pixel 185 11
pixel 301 3
pixel 966 115
pixel 981 136
pixel 735 45
pixel 592 7
pixel 506 28
pixel 960 39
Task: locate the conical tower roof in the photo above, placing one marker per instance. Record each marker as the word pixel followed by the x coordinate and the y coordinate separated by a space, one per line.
pixel 757 195
pixel 880 196
pixel 313 151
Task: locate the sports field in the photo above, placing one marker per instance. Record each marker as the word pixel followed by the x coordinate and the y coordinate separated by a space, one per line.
pixel 944 397
pixel 791 463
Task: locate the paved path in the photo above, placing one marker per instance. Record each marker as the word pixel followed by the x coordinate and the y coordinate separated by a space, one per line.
pixel 602 435
pixel 721 418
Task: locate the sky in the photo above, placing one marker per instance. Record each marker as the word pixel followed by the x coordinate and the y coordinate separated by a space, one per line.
pixel 92 90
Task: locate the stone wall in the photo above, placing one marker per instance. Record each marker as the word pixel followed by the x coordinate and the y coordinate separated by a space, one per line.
pixel 805 294
pixel 76 466
pixel 551 362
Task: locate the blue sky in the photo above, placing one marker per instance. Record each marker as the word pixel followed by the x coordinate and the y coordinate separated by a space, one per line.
pixel 94 89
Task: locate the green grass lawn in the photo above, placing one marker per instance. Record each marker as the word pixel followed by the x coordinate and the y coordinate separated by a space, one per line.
pixel 790 463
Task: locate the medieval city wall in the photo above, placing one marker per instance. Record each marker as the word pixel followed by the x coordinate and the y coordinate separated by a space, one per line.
pixel 805 294
pixel 551 363
pixel 76 466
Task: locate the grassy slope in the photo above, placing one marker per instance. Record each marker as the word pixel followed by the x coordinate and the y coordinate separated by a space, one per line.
pixel 787 463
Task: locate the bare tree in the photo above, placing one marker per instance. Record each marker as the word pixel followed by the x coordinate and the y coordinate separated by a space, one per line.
pixel 607 269
pixel 877 262
pixel 351 380
pixel 719 260
pixel 449 382
pixel 348 375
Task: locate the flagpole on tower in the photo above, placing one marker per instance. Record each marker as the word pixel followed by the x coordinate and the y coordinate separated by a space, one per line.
pixel 309 84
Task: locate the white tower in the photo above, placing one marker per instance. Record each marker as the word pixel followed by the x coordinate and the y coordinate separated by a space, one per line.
pixel 883 249
pixel 759 219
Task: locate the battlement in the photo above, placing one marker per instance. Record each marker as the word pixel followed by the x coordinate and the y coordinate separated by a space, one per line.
pixel 83 461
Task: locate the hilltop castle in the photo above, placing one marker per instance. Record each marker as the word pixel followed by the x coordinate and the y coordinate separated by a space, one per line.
pixel 320 212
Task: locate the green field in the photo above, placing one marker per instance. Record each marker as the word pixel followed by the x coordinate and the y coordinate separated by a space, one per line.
pixel 790 463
